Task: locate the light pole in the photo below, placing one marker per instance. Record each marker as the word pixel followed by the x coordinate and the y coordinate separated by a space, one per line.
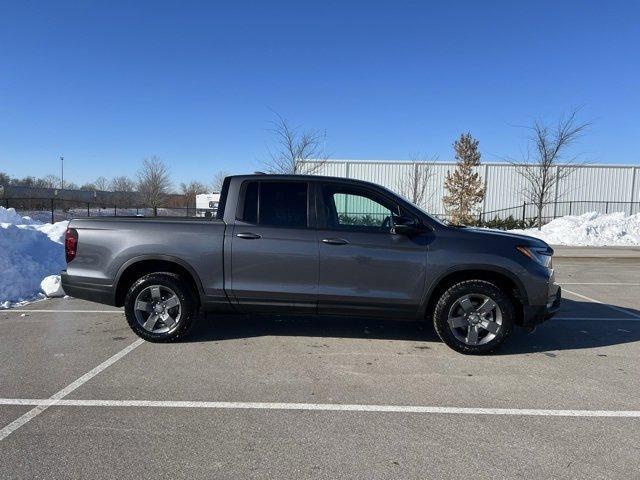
pixel 324 143
pixel 61 176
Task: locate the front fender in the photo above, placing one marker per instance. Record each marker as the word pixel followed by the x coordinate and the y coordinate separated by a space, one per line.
pixel 435 281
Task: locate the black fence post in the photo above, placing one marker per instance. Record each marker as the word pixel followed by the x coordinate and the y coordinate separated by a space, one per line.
pixel 52 220
pixel 155 211
pixel 570 205
pixel 115 210
pixel 606 207
pixel 524 212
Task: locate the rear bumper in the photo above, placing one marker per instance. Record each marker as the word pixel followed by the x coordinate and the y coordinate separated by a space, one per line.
pixel 88 291
pixel 534 315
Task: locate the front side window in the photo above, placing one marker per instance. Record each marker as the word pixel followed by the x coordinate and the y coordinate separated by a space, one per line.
pixel 279 204
pixel 346 209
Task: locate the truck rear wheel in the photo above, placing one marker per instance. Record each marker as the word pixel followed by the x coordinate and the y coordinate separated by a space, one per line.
pixel 474 316
pixel 160 307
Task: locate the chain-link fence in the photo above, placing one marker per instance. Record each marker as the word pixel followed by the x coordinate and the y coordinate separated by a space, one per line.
pixel 526 214
pixel 518 216
pixel 57 209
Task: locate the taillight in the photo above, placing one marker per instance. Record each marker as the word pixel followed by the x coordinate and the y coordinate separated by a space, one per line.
pixel 70 244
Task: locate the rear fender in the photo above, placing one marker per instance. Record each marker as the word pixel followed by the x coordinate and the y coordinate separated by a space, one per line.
pixel 166 258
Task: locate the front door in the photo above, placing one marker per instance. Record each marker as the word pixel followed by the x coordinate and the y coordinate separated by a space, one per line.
pixel 274 249
pixel 364 267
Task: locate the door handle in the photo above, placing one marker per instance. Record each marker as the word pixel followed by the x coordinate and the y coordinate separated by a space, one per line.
pixel 248 235
pixel 334 241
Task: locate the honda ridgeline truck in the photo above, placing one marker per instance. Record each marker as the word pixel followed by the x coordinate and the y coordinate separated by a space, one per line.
pixel 311 245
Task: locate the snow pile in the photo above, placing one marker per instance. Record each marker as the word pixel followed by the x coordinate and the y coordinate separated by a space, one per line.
pixel 591 229
pixel 9 215
pixel 29 252
pixel 52 286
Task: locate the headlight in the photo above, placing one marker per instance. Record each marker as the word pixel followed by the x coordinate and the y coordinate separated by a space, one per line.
pixel 537 254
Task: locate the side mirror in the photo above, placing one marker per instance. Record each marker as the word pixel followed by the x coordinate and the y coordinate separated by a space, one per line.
pixel 406 226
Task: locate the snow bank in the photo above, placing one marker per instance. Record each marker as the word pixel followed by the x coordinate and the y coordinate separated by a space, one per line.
pixel 591 229
pixel 29 252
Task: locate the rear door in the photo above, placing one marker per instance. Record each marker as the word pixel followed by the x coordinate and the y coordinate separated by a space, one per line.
pixel 364 267
pixel 274 248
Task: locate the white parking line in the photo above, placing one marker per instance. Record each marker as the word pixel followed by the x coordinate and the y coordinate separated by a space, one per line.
pixel 594 264
pixel 598 283
pixel 598 319
pixel 43 404
pixel 613 307
pixel 328 407
pixel 26 310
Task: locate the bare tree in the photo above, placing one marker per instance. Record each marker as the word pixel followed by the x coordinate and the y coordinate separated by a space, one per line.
pixel 101 184
pixel 51 181
pixel 24 182
pixel 122 184
pixel 218 179
pixel 123 189
pixel 546 162
pixel 294 149
pixel 153 182
pixel 413 185
pixel 190 190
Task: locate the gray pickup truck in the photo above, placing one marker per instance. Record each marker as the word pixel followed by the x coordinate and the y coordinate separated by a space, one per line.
pixel 313 245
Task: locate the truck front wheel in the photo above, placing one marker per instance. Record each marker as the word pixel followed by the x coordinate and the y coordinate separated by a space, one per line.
pixel 160 307
pixel 474 316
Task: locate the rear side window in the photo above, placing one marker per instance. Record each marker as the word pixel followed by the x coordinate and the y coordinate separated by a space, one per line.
pixel 250 214
pixel 223 198
pixel 279 204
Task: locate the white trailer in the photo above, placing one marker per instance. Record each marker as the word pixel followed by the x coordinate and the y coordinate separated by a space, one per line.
pixel 207 204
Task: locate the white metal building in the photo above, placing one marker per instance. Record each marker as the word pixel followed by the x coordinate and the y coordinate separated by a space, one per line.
pixel 589 188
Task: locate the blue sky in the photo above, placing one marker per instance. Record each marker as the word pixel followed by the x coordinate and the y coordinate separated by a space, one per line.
pixel 109 83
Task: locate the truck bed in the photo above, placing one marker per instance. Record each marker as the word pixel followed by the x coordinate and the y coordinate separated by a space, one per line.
pixel 107 246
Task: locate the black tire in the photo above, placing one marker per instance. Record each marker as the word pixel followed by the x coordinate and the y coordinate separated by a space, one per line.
pixel 188 306
pixel 452 296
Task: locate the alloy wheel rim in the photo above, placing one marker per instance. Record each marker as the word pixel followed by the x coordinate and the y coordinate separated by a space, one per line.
pixel 158 309
pixel 475 319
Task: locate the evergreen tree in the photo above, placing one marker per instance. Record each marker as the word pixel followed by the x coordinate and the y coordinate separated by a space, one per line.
pixel 465 188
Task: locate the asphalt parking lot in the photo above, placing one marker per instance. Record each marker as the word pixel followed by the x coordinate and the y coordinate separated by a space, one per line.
pixel 266 397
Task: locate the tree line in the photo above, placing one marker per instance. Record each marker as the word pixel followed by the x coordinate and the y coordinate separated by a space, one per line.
pixel 151 186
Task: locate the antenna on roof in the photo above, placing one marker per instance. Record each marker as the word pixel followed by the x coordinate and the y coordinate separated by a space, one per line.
pixel 259 173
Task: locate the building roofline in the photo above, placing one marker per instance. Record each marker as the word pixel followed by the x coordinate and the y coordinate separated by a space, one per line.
pixel 411 162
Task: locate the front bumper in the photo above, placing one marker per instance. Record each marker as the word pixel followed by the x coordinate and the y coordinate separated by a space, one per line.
pixel 534 315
